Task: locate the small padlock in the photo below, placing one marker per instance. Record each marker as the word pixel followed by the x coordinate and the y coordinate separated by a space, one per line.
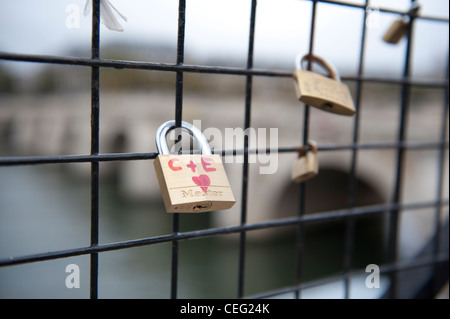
pixel 396 31
pixel 328 94
pixel 307 164
pixel 399 27
pixel 191 183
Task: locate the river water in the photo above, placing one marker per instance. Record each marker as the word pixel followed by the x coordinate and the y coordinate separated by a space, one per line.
pixel 47 208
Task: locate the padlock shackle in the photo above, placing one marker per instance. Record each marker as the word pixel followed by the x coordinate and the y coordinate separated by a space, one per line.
pixel 312 146
pixel 165 128
pixel 332 72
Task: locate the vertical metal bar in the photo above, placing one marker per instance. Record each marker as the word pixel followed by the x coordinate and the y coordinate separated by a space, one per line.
pixel 350 226
pixel 180 60
pixel 392 239
pixel 178 119
pixel 95 128
pixel 440 183
pixel 302 186
pixel 174 268
pixel 248 103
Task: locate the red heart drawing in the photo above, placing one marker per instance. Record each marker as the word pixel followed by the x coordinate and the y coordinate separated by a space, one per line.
pixel 203 181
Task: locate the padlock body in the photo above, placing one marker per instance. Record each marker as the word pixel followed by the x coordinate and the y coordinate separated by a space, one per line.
pixel 305 167
pixel 396 31
pixel 193 183
pixel 324 93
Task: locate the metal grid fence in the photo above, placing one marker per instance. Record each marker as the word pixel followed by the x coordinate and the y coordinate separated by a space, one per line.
pixel 392 267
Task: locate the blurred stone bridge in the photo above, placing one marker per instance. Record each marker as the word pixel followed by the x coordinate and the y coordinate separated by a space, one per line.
pixel 59 124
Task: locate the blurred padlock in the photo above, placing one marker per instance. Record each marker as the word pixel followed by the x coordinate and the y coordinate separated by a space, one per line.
pixel 396 31
pixel 326 93
pixel 191 183
pixel 399 28
pixel 307 164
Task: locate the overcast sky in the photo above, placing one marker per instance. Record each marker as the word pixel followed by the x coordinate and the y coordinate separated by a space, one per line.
pixel 218 28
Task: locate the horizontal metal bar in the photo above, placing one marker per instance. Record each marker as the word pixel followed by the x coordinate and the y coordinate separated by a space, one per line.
pixel 386 268
pixel 141 65
pixel 362 6
pixel 309 218
pixel 441 84
pixel 371 146
pixel 38 160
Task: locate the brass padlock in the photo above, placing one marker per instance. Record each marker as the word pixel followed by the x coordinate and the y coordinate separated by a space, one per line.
pixel 191 183
pixel 396 31
pixel 328 94
pixel 399 28
pixel 307 164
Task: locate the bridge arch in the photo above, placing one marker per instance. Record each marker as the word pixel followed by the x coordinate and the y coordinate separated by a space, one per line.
pixel 325 242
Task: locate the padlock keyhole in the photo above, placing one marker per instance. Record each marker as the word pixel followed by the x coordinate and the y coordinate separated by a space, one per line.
pixel 202 206
pixel 327 106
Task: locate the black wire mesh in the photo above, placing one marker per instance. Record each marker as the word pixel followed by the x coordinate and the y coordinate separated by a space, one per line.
pixel 392 267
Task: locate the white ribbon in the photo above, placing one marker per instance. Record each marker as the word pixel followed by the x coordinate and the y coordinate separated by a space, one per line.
pixel 107 15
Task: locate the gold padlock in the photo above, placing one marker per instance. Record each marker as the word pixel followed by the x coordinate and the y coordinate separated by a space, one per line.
pixel 399 28
pixel 328 94
pixel 307 164
pixel 396 31
pixel 191 183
